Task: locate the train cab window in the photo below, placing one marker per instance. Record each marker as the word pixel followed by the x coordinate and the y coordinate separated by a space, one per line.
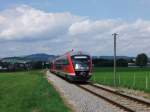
pixel 80 62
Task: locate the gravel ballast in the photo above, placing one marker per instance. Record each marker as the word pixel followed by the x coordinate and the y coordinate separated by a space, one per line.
pixel 81 100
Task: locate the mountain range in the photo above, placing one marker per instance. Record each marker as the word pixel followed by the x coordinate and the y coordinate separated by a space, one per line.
pixel 40 57
pixel 33 57
pixel 47 57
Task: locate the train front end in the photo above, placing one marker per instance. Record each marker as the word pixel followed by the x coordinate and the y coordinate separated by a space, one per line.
pixel 82 65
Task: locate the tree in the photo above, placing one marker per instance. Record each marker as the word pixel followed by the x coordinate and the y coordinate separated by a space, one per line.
pixel 141 60
pixel 102 62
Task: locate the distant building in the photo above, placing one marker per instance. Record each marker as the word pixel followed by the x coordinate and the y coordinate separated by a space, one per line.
pixel 13 64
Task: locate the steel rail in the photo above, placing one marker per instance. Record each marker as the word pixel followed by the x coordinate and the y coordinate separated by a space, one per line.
pixel 106 99
pixel 121 106
pixel 123 95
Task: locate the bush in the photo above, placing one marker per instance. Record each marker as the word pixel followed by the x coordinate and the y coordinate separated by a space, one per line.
pixel 122 63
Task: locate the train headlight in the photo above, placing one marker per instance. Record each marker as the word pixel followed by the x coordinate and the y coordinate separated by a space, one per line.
pixel 80 67
pixel 77 66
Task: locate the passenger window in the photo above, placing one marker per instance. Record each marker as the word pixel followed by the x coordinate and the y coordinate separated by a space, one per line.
pixel 66 62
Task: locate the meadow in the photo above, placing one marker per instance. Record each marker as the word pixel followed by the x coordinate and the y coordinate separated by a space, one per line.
pixel 28 92
pixel 133 78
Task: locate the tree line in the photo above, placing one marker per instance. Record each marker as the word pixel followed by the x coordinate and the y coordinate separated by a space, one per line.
pixel 141 60
pixel 7 66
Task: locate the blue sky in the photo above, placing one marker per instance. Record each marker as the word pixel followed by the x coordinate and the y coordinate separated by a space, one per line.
pixel 96 9
pixel 55 26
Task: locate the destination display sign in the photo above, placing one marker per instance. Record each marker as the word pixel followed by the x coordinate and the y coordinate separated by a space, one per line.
pixel 80 57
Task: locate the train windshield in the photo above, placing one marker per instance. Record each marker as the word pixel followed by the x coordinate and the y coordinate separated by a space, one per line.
pixel 80 62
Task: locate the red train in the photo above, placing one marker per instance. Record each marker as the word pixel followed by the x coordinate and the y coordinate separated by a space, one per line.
pixel 73 66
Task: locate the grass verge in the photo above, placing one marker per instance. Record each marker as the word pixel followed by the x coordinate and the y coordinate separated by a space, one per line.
pixel 28 92
pixel 133 78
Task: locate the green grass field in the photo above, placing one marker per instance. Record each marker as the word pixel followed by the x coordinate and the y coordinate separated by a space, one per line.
pixel 134 78
pixel 28 92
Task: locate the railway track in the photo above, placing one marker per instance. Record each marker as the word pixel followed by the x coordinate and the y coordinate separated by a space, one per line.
pixel 125 102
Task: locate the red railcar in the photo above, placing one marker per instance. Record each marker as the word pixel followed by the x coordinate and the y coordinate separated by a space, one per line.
pixel 73 66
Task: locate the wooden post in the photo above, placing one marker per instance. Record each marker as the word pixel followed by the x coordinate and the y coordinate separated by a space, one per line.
pixel 119 79
pixel 146 81
pixel 134 79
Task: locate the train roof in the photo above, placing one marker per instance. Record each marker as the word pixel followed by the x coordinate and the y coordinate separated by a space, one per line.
pixel 78 53
pixel 71 53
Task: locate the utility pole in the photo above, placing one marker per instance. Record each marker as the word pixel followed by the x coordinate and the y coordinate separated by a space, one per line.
pixel 115 36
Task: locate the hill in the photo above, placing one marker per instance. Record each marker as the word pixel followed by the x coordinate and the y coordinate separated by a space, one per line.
pixel 32 57
pixel 39 57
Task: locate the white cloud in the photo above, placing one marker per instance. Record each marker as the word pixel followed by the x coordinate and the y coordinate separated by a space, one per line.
pixel 25 22
pixel 24 28
pixel 92 27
